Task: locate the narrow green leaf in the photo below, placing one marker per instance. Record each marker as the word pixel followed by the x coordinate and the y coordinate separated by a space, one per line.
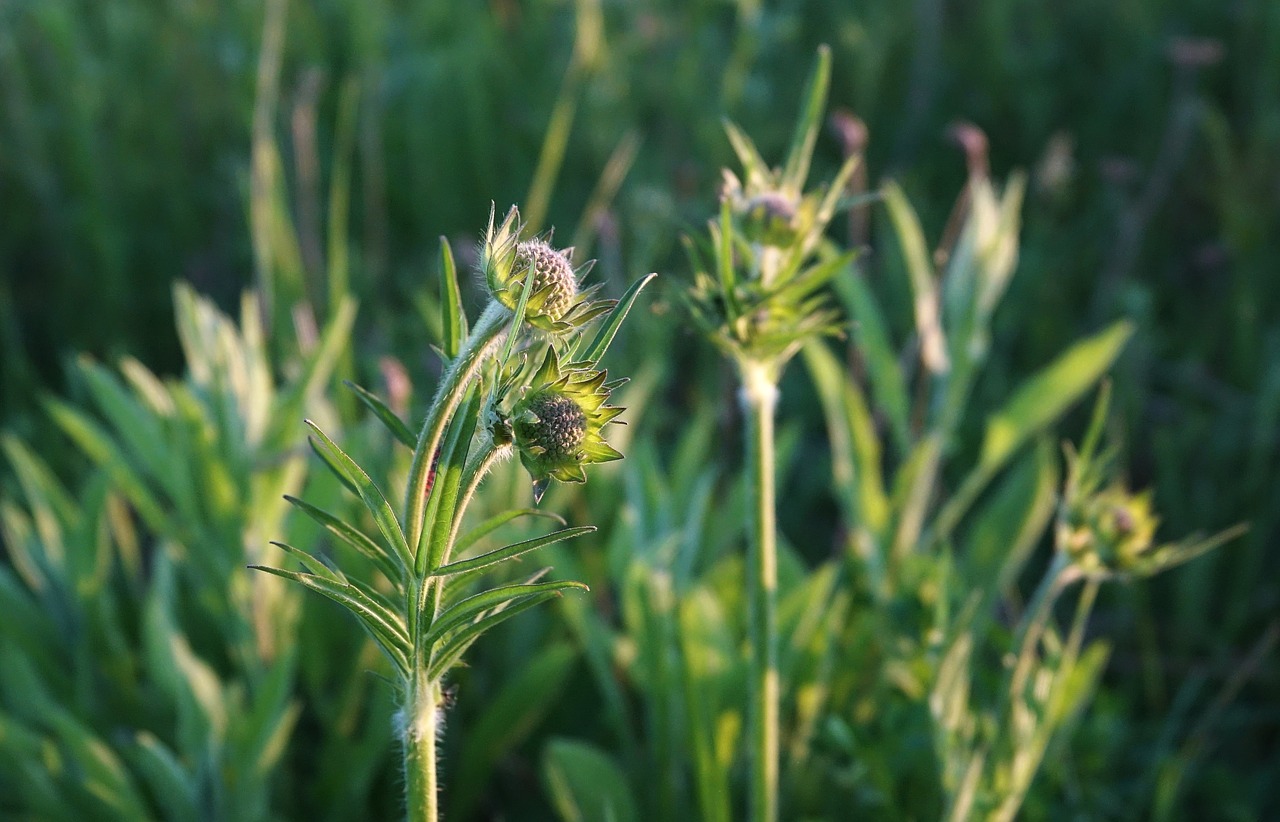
pixel 924 286
pixel 752 163
pixel 1034 406
pixel 334 467
pixel 448 654
pixel 705 643
pixel 140 431
pixel 1046 395
pixel 517 319
pixel 312 564
pixel 167 780
pixel 388 417
pixel 723 233
pixel 595 351
pixel 1009 524
pixel 806 134
pixel 871 340
pixel 492 524
pixel 387 562
pixel 104 452
pixel 442 505
pixel 855 446
pixel 369 493
pixel 467 609
pixel 510 551
pixel 454 319
pixel 585 784
pixel 383 625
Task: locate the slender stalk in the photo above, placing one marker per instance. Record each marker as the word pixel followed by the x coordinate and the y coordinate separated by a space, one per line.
pixel 478 466
pixel 453 386
pixel 759 396
pixel 422 727
pixel 1057 577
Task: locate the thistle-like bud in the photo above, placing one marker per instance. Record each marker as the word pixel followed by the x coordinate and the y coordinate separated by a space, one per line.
pixel 557 423
pixel 554 284
pixel 1110 532
pixel 556 305
pixel 552 426
pixel 770 218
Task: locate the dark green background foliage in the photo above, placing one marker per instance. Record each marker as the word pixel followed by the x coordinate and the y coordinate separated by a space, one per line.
pixel 1151 133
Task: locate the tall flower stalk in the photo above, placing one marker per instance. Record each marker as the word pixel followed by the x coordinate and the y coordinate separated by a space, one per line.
pixel 756 295
pixel 523 380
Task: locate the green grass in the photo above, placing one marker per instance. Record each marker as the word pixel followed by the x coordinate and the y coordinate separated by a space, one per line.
pixel 126 163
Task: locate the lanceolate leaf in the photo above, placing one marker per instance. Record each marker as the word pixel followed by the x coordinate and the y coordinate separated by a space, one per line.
pixel 444 491
pixel 455 319
pixel 595 351
pixel 806 134
pixel 334 468
pixel 369 493
pixel 384 625
pixel 387 562
pixel 492 524
pixel 466 610
pixel 752 163
pixel 388 417
pixel 1034 406
pixel 447 655
pixel 312 564
pixel 924 286
pixel 511 551
pixel 1045 396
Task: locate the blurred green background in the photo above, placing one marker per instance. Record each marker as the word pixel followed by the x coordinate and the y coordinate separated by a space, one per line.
pixel 1150 130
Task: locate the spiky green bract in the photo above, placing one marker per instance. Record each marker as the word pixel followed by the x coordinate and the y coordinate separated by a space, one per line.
pixel 759 274
pixel 1107 532
pixel 556 305
pixel 557 422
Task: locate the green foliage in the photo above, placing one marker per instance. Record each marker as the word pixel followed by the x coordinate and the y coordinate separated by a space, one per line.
pixel 316 151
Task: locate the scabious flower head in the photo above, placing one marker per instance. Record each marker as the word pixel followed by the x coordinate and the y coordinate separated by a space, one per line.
pixel 557 423
pixel 556 305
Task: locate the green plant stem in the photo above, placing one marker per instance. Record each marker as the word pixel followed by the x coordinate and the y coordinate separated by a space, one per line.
pixel 1040 609
pixel 422 718
pixel 453 386
pixel 759 398
pixel 477 466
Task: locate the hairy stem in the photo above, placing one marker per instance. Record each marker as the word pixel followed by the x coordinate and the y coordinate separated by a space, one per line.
pixel 759 397
pixel 422 726
pixel 478 346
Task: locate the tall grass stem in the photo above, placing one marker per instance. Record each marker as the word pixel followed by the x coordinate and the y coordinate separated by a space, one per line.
pixel 759 398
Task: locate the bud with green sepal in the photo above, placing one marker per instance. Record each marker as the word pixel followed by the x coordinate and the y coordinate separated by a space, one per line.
pixel 556 304
pixel 557 422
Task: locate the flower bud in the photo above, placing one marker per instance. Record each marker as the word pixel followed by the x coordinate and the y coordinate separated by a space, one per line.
pixel 552 425
pixel 1109 532
pixel 554 283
